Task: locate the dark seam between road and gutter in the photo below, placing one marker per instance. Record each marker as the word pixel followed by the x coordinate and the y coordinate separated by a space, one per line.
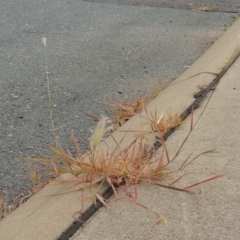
pixel 211 87
pixel 85 216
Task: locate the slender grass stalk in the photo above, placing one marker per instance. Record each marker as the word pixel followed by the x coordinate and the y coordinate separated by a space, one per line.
pixel 44 42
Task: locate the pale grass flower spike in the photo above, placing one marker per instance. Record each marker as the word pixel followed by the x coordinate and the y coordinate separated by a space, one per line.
pixel 100 132
pixel 44 41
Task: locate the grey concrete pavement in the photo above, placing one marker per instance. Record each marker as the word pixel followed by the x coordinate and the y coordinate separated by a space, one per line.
pixel 212 214
pixel 93 49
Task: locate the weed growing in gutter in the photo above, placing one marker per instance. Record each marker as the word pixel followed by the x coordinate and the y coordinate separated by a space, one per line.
pixel 122 169
pixel 120 110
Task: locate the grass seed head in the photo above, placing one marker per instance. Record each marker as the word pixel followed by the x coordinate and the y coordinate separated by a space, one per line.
pixel 101 130
pixel 44 41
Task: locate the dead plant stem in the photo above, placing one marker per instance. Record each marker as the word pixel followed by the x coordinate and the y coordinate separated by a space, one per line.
pixel 48 86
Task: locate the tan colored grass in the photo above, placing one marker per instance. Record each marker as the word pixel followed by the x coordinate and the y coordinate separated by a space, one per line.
pixel 205 9
pixel 122 170
pixel 164 122
pixel 7 208
pixel 39 179
pixel 120 110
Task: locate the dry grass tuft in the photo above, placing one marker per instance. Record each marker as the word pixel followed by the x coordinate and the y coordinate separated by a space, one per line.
pixel 120 110
pixel 123 169
pixel 164 122
pixel 6 208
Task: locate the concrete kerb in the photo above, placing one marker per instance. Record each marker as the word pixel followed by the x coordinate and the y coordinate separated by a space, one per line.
pixel 213 211
pixel 46 217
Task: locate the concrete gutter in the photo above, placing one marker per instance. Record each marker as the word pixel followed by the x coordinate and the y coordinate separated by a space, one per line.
pixel 213 211
pixel 46 217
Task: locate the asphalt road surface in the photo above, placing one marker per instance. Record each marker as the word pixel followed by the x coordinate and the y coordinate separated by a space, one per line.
pixel 93 50
pixel 232 6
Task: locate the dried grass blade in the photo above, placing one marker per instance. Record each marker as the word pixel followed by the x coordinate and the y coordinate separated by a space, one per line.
pixel 94 117
pixel 204 181
pixel 102 200
pixel 182 166
pixel 185 164
pixel 162 220
pixel 191 128
pixel 233 57
pixel 177 180
pixel 113 188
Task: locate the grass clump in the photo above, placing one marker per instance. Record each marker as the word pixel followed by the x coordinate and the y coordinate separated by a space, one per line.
pixel 120 110
pixel 123 169
pixel 6 209
pixel 165 122
pixel 39 179
pixel 8 203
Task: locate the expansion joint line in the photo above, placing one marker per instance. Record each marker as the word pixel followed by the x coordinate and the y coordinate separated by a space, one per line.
pixel 211 87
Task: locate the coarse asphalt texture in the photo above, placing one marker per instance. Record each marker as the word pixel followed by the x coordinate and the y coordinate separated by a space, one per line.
pixel 93 50
pixel 213 5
